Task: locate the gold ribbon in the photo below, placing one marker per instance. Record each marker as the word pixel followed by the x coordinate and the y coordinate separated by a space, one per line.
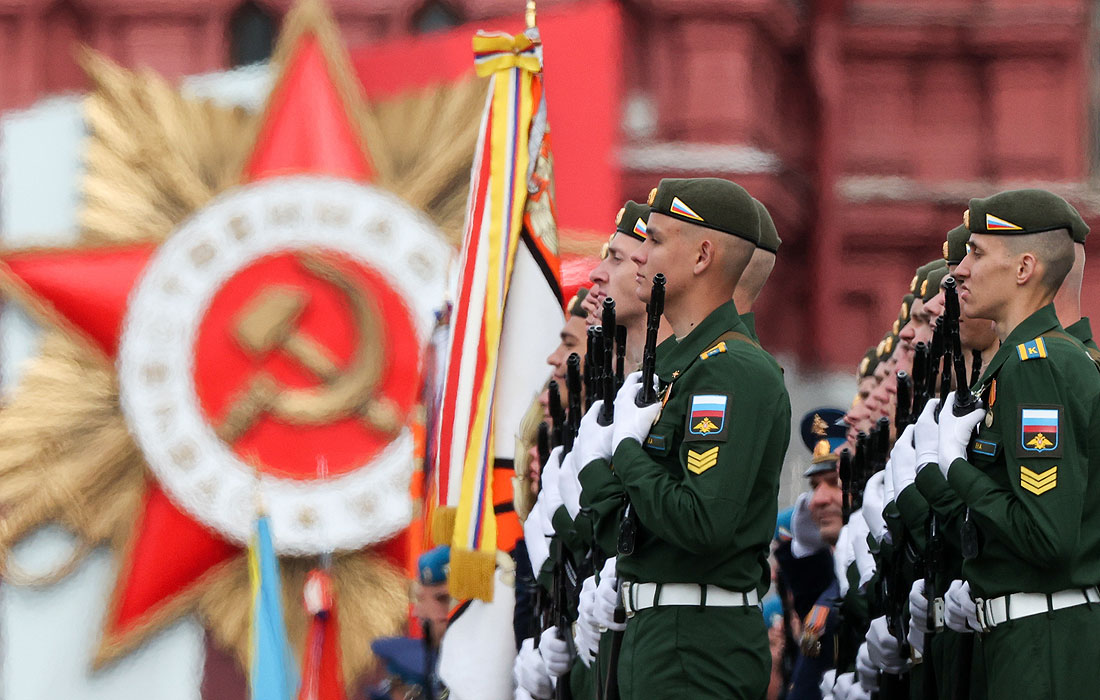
pixel 497 52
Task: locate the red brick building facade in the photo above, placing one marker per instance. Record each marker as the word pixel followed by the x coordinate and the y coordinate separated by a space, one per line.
pixel 863 125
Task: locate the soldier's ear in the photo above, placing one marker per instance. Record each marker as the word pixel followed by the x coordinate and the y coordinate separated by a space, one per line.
pixel 704 255
pixel 1027 268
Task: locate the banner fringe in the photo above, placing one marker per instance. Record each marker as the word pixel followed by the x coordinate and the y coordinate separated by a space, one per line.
pixel 443 524
pixel 472 574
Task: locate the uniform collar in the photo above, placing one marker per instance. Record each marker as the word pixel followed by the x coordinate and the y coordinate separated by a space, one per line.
pixel 749 319
pixel 1082 329
pixel 723 319
pixel 1032 327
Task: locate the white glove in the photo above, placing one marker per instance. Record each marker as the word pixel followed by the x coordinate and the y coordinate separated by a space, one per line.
pixel 607 598
pixel 960 612
pixel 569 486
pixel 805 537
pixel 915 639
pixel 530 673
pixel 857 692
pixel 861 550
pixel 926 436
pixel 843 556
pixel 586 633
pixel 865 670
pixel 550 495
pixel 883 648
pixel 843 685
pixel 555 653
pixel 630 420
pixel 534 536
pixel 918 606
pixel 521 693
pixel 955 432
pixel 903 461
pixel 873 503
pixel 826 685
pixel 593 440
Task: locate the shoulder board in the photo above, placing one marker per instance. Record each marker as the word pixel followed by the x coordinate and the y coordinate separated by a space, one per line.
pixel 716 350
pixel 1032 349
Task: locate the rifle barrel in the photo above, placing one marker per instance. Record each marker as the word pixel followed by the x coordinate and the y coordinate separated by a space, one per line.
pixel 654 309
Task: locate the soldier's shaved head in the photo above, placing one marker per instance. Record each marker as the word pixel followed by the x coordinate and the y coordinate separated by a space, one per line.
pixel 1052 249
pixel 753 279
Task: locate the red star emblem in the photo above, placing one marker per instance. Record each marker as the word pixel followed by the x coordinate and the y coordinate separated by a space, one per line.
pixel 309 126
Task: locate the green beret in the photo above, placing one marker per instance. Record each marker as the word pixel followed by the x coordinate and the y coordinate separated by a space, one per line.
pixel 931 285
pixel 954 248
pixel 868 364
pixel 903 314
pixel 1025 211
pixel 711 202
pixel 886 346
pixel 632 220
pixel 769 237
pixel 575 303
pixel 921 273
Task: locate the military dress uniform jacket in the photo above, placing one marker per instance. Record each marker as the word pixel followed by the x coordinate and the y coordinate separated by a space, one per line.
pixel 1030 479
pixel 704 485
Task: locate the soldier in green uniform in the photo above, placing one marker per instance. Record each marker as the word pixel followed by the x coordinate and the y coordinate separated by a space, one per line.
pixel 701 467
pixel 1067 303
pixel 1034 512
pixel 760 267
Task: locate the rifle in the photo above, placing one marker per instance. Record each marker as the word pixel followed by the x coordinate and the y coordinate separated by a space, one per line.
pixel 654 309
pixel 882 446
pixel 920 378
pixel 557 415
pixel 543 446
pixel 620 356
pixel 628 529
pixel 560 609
pixel 573 388
pixel 903 410
pixel 591 366
pixel 859 466
pixel 975 367
pixel 607 372
pixel 965 400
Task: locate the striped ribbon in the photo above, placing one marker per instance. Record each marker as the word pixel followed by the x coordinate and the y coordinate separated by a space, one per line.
pixel 494 222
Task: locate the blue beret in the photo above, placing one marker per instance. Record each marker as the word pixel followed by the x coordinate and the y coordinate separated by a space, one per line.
pixel 433 565
pixel 404 658
pixel 783 525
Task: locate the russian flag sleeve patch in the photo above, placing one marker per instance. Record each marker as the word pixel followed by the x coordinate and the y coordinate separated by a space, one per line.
pixel 707 418
pixel 1040 431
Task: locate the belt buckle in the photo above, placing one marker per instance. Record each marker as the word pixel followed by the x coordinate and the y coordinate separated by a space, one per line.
pixel 985 617
pixel 628 600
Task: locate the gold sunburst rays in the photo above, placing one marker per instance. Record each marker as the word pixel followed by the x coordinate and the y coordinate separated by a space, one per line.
pixel 154 157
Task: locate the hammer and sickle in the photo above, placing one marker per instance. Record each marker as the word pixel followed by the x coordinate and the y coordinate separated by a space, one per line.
pixel 269 324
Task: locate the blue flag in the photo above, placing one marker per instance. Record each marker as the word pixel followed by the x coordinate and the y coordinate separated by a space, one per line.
pixel 273 673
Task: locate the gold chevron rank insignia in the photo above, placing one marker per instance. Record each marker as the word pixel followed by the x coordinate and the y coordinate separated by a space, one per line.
pixel 1038 484
pixel 699 462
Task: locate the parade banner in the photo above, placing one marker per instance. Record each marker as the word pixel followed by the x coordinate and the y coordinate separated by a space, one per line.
pixel 512 145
